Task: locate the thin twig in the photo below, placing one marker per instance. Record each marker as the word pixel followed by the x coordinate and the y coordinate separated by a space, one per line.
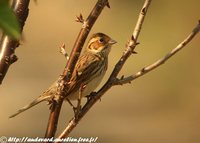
pixel 87 25
pixel 160 61
pixel 8 45
pixel 96 96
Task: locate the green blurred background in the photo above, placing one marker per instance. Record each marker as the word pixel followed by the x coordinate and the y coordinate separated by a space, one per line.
pixel 160 107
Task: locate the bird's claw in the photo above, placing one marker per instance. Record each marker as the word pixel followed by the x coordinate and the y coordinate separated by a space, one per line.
pixel 90 96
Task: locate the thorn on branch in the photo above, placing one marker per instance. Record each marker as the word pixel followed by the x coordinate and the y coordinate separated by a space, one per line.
pixel 133 38
pixel 13 58
pixel 80 19
pixel 108 5
pixel 143 70
pixel 133 47
pixel 143 11
pixel 63 51
pixel 10 59
pixel 137 43
pixel 134 52
pixel 132 44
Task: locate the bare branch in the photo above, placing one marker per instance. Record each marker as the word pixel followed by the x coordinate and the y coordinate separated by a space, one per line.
pixel 132 43
pixel 108 5
pixel 96 96
pixel 87 25
pixel 140 20
pixel 8 45
pixel 161 61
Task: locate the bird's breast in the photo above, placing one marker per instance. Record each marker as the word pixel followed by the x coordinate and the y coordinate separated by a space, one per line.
pixel 89 87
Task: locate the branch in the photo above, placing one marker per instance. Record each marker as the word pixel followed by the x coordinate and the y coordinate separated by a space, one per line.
pixel 96 96
pixel 8 45
pixel 65 77
pixel 161 61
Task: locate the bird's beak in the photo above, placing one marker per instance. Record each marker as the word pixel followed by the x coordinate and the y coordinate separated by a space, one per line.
pixel 111 42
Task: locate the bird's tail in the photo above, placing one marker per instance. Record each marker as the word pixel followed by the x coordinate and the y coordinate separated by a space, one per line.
pixel 33 103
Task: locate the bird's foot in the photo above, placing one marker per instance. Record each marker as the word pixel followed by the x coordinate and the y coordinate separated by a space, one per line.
pixel 90 96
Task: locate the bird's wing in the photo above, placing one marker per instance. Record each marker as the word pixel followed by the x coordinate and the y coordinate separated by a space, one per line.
pixel 85 70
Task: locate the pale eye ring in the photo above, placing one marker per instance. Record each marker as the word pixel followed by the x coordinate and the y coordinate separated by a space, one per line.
pixel 101 40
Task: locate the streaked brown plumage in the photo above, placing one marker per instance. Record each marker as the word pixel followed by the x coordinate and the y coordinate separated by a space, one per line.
pixel 89 71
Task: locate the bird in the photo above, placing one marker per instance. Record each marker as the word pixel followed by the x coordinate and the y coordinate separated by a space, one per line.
pixel 88 72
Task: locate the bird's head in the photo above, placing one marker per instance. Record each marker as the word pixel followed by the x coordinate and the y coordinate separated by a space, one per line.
pixel 100 43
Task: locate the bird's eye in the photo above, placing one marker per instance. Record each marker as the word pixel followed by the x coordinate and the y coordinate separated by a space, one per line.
pixel 101 40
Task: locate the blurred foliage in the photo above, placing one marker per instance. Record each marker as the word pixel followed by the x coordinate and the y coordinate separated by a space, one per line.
pixel 8 21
